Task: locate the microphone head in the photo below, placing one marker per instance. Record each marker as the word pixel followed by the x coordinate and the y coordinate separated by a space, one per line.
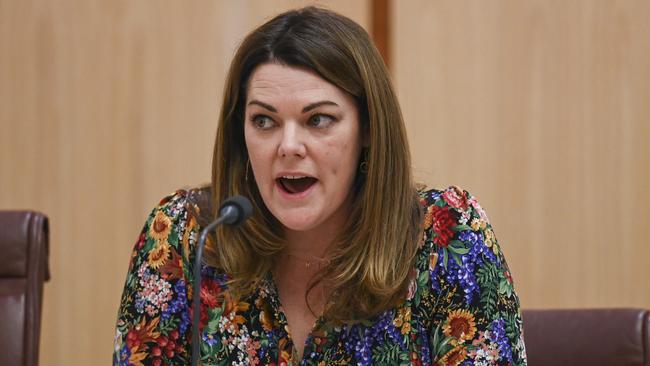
pixel 238 208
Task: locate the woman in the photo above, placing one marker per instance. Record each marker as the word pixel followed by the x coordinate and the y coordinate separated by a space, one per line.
pixel 344 261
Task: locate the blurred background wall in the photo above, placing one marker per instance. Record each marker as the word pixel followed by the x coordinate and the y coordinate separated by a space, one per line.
pixel 539 108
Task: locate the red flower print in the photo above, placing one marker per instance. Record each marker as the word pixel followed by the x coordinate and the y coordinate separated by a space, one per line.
pixel 415 360
pixel 443 221
pixel 156 351
pixel 203 316
pixel 132 339
pixel 174 334
pixel 456 198
pixel 210 291
pixel 508 276
pixel 166 346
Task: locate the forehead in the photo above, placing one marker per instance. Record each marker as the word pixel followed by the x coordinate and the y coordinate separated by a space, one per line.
pixel 276 81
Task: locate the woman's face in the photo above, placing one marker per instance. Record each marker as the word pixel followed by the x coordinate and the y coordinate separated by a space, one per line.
pixel 304 141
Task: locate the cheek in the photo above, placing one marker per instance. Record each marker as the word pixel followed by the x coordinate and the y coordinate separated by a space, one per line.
pixel 343 158
pixel 334 153
pixel 254 145
pixel 259 162
pixel 258 157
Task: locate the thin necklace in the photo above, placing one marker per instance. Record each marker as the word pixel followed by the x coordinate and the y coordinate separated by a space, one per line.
pixel 310 260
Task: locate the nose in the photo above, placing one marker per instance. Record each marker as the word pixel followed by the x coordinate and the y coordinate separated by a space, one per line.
pixel 292 143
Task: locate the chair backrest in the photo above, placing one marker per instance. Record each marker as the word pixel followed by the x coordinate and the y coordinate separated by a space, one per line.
pixel 23 269
pixel 587 337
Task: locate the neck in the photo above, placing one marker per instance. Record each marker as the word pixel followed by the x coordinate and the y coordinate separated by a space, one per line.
pixel 308 244
pixel 308 251
pixel 317 242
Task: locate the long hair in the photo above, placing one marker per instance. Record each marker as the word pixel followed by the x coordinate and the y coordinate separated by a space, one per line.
pixel 373 255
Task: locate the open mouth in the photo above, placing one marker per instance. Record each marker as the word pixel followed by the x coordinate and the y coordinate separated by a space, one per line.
pixel 295 184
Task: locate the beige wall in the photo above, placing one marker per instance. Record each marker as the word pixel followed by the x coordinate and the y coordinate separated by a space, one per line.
pixel 542 110
pixel 105 107
pixel 539 108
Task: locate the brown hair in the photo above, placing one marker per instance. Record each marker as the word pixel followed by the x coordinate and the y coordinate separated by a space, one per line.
pixel 374 254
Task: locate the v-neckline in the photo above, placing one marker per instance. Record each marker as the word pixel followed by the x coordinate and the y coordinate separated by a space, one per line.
pixel 284 323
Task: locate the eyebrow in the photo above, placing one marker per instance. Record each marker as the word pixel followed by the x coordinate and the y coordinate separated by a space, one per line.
pixel 304 110
pixel 264 105
pixel 318 104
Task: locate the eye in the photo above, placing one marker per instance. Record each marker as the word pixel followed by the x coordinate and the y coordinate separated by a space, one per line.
pixel 321 120
pixel 262 121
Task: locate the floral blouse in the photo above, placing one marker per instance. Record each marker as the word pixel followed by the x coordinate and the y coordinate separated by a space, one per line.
pixel 461 308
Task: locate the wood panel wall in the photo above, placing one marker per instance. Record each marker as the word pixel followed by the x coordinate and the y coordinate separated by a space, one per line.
pixel 540 108
pixel 105 107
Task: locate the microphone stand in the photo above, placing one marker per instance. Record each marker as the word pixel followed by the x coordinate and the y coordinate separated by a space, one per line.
pixel 233 212
pixel 196 295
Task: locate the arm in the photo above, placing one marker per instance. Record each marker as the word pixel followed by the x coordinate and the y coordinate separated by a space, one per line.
pixel 153 324
pixel 475 310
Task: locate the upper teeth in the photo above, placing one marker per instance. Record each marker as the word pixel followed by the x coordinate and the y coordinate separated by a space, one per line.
pixel 293 176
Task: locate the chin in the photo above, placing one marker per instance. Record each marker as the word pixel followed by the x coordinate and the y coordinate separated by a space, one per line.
pixel 297 222
pixel 297 225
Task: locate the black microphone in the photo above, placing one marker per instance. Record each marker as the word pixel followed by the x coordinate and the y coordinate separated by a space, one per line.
pixel 234 211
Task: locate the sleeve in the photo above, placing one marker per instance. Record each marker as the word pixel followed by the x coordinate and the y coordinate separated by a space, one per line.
pixel 153 322
pixel 473 309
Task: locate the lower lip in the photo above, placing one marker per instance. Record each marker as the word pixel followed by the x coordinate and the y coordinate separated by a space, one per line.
pixel 294 196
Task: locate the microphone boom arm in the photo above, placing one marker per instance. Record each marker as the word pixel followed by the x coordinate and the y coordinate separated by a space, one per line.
pixel 234 211
pixel 196 295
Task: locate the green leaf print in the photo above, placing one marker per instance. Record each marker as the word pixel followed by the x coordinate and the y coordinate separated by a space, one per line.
pixel 487 279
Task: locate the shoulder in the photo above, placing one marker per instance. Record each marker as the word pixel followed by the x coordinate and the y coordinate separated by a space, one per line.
pixel 174 205
pixel 185 202
pixel 453 197
pixel 455 229
pixel 467 281
pixel 169 215
pixel 451 209
pixel 183 207
pixel 169 232
pixel 154 301
pixel 455 222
